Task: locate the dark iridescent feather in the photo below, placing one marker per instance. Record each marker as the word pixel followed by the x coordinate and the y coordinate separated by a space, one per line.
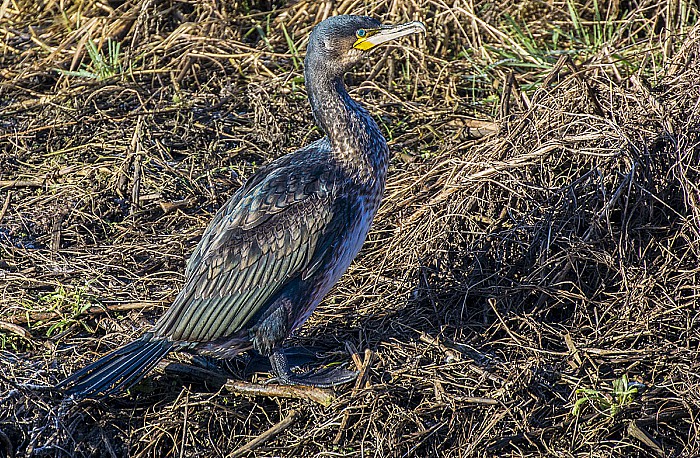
pixel 118 370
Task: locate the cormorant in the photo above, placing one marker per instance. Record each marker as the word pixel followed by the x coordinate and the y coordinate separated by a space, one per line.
pixel 279 244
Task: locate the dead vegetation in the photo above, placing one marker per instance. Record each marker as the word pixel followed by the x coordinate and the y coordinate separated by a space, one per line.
pixel 531 286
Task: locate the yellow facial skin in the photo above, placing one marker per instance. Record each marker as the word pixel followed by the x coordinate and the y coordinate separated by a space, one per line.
pixel 369 38
pixel 363 43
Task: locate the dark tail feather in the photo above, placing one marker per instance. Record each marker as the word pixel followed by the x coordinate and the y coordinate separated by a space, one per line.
pixel 117 371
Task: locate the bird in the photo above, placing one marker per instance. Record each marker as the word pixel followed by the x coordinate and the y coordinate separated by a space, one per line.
pixel 274 250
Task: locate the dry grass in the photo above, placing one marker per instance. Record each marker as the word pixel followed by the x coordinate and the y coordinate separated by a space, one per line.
pixel 508 278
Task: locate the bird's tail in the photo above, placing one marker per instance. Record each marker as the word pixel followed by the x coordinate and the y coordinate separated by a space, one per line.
pixel 119 370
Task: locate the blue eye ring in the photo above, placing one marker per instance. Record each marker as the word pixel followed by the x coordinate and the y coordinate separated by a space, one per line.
pixel 361 33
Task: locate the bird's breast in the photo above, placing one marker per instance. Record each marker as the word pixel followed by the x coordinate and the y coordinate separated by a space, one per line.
pixel 358 220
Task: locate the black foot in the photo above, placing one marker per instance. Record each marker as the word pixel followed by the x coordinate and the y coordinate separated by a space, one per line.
pixel 207 362
pixel 296 357
pixel 324 378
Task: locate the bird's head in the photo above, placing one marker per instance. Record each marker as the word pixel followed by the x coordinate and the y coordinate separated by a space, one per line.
pixel 339 42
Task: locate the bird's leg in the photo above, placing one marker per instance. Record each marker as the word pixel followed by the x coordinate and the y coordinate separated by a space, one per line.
pixel 324 378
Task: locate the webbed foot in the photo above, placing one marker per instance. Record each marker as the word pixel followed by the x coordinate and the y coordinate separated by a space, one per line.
pixel 324 378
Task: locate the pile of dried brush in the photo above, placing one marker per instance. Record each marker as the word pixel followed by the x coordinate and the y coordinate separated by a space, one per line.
pixel 509 281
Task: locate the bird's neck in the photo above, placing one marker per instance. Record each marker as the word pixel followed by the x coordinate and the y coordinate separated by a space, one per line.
pixel 355 138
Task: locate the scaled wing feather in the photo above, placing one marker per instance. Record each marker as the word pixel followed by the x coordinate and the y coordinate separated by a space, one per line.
pixel 263 237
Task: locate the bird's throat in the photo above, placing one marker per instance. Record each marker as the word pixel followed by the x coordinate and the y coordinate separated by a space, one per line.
pixel 354 136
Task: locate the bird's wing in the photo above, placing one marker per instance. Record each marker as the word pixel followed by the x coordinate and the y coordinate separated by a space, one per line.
pixel 270 231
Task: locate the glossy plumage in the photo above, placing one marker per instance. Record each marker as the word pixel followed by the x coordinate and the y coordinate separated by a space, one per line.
pixel 275 249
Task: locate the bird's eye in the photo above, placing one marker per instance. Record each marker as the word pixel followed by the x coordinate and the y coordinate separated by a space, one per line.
pixel 361 33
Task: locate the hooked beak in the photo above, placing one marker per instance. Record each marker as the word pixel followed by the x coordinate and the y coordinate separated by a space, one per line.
pixel 387 33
